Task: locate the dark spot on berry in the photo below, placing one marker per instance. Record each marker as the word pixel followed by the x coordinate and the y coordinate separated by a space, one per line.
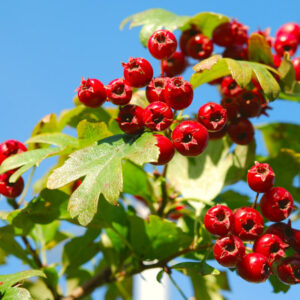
pixel 230 247
pixel 247 96
pixel 159 84
pixel 199 48
pixel 283 204
pixel 119 89
pixel 134 65
pixel 157 118
pixel 216 117
pixel 232 85
pixel 127 118
pixel 228 100
pixel 274 248
pixel 267 269
pixel 242 136
pixel 297 273
pixel 160 38
pixel 171 61
pixel 178 82
pixel 220 216
pixel 248 225
pixel 261 169
pixel 287 48
pixel 187 138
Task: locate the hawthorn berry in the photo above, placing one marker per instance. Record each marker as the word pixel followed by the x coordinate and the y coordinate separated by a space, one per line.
pixel 218 134
pixel 166 149
pixel 174 65
pixel 286 42
pixel 212 116
pixel 229 87
pixel 162 44
pixel 236 52
pixel 130 119
pixel 282 230
pixel 296 64
pixel 241 131
pixel 178 93
pixel 10 190
pixel 295 240
pixel 137 72
pixel 92 92
pixel 247 223
pixel 218 220
pixel 266 34
pixel 186 36
pixel 289 270
pixel 271 246
pixel 249 103
pixel 119 92
pixel 276 60
pixel 199 47
pixel 10 147
pixel 276 204
pixel 158 116
pixel 231 106
pixel 155 89
pixel 254 267
pixel 176 214
pixel 260 177
pixel 229 250
pixel 290 28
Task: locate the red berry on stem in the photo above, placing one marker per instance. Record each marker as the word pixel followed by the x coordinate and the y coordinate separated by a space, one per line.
pixel 91 92
pixel 175 215
pixel 178 93
pixel 175 65
pixel 166 149
pixel 9 148
pixel 295 240
pixel 158 116
pixel 229 87
pixel 290 28
pixel 199 47
pixel 260 177
pixel 236 52
pixel 276 60
pixel 218 134
pixel 155 89
pixel 249 103
pixel 286 43
pixel 162 44
pixel 119 92
pixel 241 131
pixel 10 190
pixel 289 270
pixel 185 37
pixel 296 64
pixel 138 72
pixel 231 106
pixel 282 230
pixel 276 204
pixel 218 220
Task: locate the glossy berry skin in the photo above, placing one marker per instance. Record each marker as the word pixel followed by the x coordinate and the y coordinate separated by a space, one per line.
pixel 175 65
pixel 137 72
pixel 162 44
pixel 178 93
pixel 254 267
pixel 295 240
pixel 249 104
pixel 271 246
pixel 158 116
pixel 296 64
pixel 241 131
pixel 130 119
pixel 229 87
pixel 217 135
pixel 282 230
pixel 119 92
pixel 212 116
pixel 248 224
pixel 286 43
pixel 155 89
pixel 290 28
pixel 175 215
pixel 260 177
pixel 199 47
pixel 10 190
pixel 236 52
pixel 185 37
pixel 10 147
pixel 276 204
pixel 229 250
pixel 166 149
pixel 92 92
pixel 276 60
pixel 231 106
pixel 218 220
pixel 289 270
pixel 190 138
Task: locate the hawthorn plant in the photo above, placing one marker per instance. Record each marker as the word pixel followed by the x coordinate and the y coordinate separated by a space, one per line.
pixel 139 149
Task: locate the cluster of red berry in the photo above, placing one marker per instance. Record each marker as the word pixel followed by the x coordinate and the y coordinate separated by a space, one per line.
pixel 246 224
pixel 7 189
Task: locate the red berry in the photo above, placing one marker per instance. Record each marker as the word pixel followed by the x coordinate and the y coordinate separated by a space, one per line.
pixel 76 185
pixel 229 250
pixel 137 72
pixel 158 116
pixel 229 87
pixel 231 106
pixel 276 204
pixel 289 270
pixel 155 89
pixel 236 52
pixel 166 149
pixel 218 134
pixel 296 64
pixel 10 190
pixel 218 220
pixel 247 224
pixel 249 103
pixel 175 215
pixel 178 93
pixel 185 37
pixel 119 92
pixel 295 240
pixel 213 116
pixel 254 267
pixel 92 93
pixel 241 132
pixel 199 47
pixel 9 148
pixel 175 65
pixel 260 177
pixel 286 43
pixel 276 60
pixel 162 44
pixel 190 138
pixel 130 119
pixel 271 246
pixel 282 230
pixel 290 28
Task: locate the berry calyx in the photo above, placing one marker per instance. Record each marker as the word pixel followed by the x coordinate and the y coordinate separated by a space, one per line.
pixel 231 106
pixel 286 42
pixel 178 93
pixel 248 224
pixel 249 104
pixel 186 36
pixel 296 64
pixel 276 204
pixel 213 116
pixel 155 89
pixel 229 250
pixel 289 270
pixel 199 47
pixel 166 149
pixel 130 119
pixel 10 190
pixel 260 177
pixel 241 131
pixel 218 220
pixel 158 116
pixel 10 147
pixel 190 138
pixel 92 92
pixel 174 65
pixel 137 72
pixel 162 44
pixel 119 92
pixel 229 87
pixel 254 267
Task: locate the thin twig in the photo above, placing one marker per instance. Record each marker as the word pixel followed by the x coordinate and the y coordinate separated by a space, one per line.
pixel 177 287
pixel 255 200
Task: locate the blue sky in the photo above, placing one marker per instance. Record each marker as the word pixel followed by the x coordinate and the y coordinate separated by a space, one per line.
pixel 47 46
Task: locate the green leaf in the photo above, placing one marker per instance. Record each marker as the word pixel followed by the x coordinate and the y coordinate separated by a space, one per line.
pixel 259 49
pixel 159 275
pixel 101 165
pixel 233 199
pixel 38 289
pixel 76 277
pixel 200 268
pixel 16 293
pixel 139 98
pixel 152 20
pixel 241 71
pixel 277 285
